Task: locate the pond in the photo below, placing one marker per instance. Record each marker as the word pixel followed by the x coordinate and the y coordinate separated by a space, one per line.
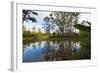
pixel 56 50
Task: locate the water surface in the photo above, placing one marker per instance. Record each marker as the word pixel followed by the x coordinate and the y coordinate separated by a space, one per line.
pixel 56 50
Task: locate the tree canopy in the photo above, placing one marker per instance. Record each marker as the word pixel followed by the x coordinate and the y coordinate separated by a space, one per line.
pixel 29 15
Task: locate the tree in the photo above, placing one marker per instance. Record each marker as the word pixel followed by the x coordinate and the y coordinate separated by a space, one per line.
pixel 62 22
pixel 29 15
pixel 60 19
pixel 65 20
pixel 48 25
pixel 75 17
pixel 52 24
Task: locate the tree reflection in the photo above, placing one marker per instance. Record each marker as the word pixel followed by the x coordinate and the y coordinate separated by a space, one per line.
pixel 57 50
pixel 60 50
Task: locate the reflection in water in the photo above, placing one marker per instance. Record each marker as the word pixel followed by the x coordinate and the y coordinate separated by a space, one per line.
pixel 55 51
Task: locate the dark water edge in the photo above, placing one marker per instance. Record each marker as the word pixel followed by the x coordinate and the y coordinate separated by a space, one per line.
pixel 59 60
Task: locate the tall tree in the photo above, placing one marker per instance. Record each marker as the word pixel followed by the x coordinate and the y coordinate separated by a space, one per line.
pixel 69 21
pixel 75 18
pixel 65 20
pixel 52 26
pixel 48 25
pixel 60 19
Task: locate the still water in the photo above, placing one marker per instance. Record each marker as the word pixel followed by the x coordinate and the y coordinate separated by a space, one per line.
pixel 56 51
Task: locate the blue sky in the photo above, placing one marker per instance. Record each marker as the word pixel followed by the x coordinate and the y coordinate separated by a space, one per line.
pixel 42 14
pixel 39 22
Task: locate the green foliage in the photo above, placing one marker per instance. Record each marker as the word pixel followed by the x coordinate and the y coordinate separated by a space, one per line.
pixel 48 25
pixel 85 31
pixel 34 35
pixel 27 15
pixel 64 20
pixel 83 28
